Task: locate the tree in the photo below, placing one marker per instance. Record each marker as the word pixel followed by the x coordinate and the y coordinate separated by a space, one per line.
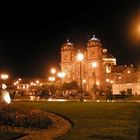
pixel 70 88
pixel 73 85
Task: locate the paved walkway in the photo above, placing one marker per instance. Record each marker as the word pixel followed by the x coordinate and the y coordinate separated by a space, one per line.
pixel 77 100
pixel 59 128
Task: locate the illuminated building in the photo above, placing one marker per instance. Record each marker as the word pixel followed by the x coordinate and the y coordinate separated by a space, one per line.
pixel 93 53
pixel 103 72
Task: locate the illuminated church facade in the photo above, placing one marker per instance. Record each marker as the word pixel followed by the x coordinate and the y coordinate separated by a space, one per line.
pixel 98 67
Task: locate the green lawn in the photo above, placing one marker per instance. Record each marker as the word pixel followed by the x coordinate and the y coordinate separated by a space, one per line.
pixel 95 121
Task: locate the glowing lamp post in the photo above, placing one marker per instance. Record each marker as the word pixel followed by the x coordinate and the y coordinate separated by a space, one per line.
pixel 119 82
pixel 19 79
pixel 37 82
pixel 53 70
pixel 107 80
pixel 51 79
pixel 111 81
pixel 84 84
pixel 80 58
pixel 61 75
pixel 94 65
pixel 128 71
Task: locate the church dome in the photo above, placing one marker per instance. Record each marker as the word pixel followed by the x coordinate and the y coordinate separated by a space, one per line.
pixel 106 54
pixel 94 42
pixel 67 46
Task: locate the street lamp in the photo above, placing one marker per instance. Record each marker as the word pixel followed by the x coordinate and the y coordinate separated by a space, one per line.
pixel 109 82
pixel 80 58
pixel 19 79
pixel 119 82
pixel 61 75
pixel 51 79
pixel 94 65
pixel 84 85
pixel 37 82
pixel 53 70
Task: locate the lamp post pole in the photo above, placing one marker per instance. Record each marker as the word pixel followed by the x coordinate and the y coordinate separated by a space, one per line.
pixel 94 76
pixel 61 75
pixel 119 83
pixel 80 58
pixel 84 84
pixel 81 87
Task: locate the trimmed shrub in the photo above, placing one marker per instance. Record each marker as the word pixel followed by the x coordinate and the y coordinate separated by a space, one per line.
pixel 21 117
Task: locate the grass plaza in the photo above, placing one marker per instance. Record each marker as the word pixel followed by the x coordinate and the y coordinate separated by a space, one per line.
pixel 107 121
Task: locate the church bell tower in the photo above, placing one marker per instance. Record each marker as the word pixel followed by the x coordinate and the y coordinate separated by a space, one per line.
pixel 67 55
pixel 95 62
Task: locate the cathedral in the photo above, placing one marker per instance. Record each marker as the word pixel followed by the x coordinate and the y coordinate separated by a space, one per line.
pixel 97 67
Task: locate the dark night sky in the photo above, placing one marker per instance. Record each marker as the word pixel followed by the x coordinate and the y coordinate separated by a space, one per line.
pixel 30 45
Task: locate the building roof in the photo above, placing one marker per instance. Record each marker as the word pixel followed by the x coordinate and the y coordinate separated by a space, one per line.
pixel 117 68
pixel 67 46
pixel 106 54
pixel 94 42
pixel 94 38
